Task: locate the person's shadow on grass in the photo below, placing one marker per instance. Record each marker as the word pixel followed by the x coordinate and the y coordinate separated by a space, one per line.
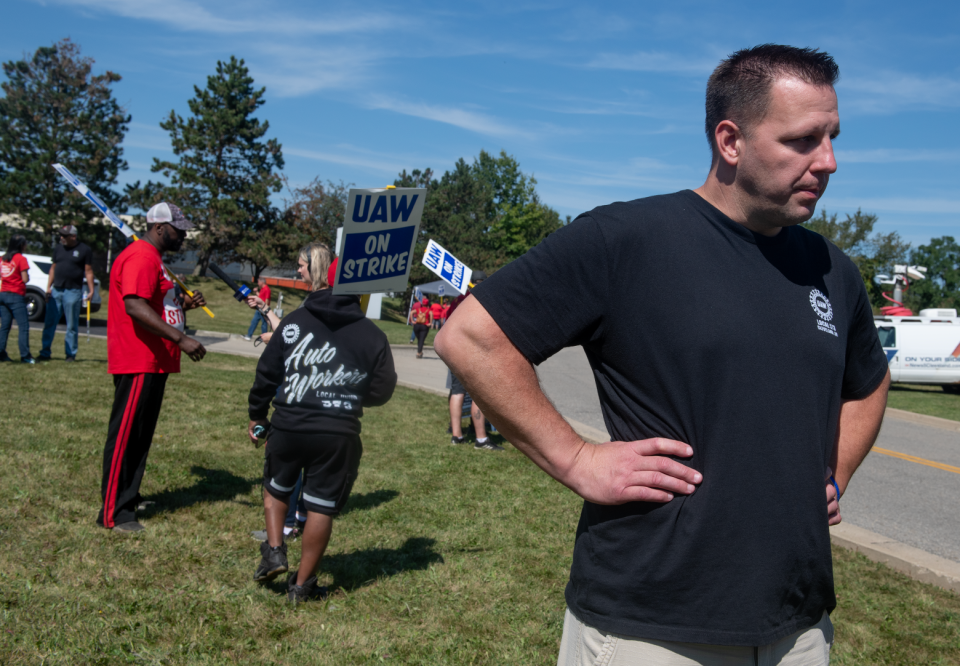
pixel 367 501
pixel 214 485
pixel 360 568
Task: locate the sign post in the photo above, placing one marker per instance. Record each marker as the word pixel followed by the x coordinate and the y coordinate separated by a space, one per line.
pixel 447 266
pixel 379 235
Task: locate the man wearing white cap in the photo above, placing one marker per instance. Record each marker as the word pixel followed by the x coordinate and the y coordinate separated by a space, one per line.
pixel 145 337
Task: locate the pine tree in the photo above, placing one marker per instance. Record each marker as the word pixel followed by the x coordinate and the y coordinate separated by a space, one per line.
pixel 55 110
pixel 226 172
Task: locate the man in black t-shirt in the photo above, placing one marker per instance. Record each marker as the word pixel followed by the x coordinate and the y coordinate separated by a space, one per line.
pixel 736 419
pixel 72 263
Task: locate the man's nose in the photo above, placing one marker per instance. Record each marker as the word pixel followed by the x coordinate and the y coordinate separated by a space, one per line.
pixel 826 161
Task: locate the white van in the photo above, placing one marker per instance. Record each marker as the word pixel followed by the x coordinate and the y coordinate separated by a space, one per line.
pixel 924 349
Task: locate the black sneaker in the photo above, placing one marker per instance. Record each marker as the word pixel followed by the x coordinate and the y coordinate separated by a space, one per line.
pixel 129 528
pixel 28 360
pixel 457 440
pixel 273 564
pixel 43 358
pixel 71 359
pixel 306 592
pixel 5 358
pixel 487 446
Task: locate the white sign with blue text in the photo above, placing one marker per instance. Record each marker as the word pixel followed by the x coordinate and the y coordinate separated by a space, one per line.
pixel 379 233
pixel 447 266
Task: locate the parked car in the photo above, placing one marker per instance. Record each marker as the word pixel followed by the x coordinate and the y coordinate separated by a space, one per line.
pixel 37 288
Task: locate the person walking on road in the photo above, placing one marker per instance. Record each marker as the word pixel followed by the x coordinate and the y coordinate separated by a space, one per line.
pixel 704 531
pixel 315 430
pixel 145 337
pixel 14 275
pixel 422 318
pixel 263 294
pixel 72 264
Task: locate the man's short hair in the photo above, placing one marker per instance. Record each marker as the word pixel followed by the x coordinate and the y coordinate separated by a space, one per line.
pixel 739 88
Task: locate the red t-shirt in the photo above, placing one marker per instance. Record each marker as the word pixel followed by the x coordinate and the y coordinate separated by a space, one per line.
pixel 10 273
pixel 264 294
pixel 446 311
pixel 436 310
pixel 131 349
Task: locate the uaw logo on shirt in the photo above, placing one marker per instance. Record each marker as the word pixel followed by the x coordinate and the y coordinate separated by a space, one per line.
pixel 821 305
pixel 290 333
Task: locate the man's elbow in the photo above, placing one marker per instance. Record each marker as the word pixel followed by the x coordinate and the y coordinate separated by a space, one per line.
pixel 448 339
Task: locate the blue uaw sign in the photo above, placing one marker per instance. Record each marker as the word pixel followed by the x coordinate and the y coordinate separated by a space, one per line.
pixel 379 233
pixel 447 266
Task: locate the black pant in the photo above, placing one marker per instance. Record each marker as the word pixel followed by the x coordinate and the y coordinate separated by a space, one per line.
pixel 420 330
pixel 136 407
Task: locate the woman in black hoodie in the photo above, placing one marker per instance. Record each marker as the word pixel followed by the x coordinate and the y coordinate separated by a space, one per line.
pixel 324 363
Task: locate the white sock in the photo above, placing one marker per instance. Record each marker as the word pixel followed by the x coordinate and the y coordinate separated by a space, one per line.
pixel 482 441
pixel 287 530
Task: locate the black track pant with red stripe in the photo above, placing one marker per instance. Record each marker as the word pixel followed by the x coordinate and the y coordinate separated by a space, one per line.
pixel 136 407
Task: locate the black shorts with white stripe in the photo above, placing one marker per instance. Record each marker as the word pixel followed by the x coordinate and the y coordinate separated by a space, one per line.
pixel 329 462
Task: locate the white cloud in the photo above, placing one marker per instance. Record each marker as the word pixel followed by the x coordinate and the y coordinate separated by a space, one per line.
pixel 893 155
pixel 652 61
pixel 462 118
pixel 889 92
pixel 193 17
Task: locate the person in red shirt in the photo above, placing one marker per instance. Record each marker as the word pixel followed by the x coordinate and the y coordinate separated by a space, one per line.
pixel 145 337
pixel 422 318
pixel 13 288
pixel 436 310
pixel 263 293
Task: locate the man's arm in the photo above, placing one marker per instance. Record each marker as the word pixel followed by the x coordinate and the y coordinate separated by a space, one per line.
pixel 88 271
pixel 857 431
pixel 505 386
pixel 141 312
pixel 53 267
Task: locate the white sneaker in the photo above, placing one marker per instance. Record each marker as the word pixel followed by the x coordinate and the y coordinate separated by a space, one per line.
pixel 247 338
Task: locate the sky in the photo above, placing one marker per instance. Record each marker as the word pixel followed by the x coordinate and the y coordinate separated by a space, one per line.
pixel 600 104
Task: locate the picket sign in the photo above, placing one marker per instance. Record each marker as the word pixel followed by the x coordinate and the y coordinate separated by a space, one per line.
pixel 447 266
pixel 379 234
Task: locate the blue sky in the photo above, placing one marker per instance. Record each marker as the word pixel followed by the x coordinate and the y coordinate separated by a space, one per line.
pixel 600 104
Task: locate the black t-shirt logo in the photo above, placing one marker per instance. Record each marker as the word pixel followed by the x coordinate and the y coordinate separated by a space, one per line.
pixel 821 305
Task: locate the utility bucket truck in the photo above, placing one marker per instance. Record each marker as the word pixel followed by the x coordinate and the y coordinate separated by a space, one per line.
pixel 921 349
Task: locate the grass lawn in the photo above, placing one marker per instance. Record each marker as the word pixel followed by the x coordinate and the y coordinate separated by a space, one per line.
pixel 924 399
pixel 445 555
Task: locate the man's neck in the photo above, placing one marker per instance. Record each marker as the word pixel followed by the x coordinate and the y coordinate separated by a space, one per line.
pixel 720 191
pixel 154 241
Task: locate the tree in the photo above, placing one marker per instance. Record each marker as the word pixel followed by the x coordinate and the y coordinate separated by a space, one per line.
pixel 55 110
pixel 226 172
pixel 486 213
pixel 873 254
pixel 941 288
pixel 312 213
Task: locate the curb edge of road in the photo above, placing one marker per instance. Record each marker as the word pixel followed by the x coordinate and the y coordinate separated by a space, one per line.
pixel 923 419
pixel 915 563
pixel 918 564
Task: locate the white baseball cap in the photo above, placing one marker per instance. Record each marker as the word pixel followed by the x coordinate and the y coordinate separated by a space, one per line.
pixel 165 213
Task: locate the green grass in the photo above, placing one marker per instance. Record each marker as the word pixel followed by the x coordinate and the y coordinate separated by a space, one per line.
pixel 445 555
pixel 925 399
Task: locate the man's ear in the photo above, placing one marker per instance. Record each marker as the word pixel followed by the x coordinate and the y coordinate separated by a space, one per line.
pixel 728 137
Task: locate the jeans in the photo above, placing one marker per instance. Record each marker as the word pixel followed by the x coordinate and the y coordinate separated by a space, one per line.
pixel 296 507
pixel 64 302
pixel 253 324
pixel 14 306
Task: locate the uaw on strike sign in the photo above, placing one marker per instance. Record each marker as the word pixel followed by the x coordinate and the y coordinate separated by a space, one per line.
pixel 379 234
pixel 447 266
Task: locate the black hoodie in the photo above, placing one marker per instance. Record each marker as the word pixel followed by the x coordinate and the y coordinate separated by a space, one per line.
pixel 324 363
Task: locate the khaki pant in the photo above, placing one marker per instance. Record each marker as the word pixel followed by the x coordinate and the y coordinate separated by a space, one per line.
pixel 585 646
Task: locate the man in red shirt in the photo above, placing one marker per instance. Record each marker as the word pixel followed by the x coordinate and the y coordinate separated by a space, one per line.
pixel 436 309
pixel 144 339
